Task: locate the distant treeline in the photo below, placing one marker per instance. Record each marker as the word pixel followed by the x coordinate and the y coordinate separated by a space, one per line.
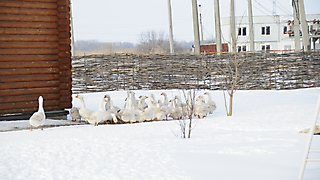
pixel 98 47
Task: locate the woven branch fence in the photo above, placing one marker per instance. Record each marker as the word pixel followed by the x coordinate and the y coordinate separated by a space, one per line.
pixel 257 71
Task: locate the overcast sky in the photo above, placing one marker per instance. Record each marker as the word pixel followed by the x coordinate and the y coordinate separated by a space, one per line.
pixel 125 20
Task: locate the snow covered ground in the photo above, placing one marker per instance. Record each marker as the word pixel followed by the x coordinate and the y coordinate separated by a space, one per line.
pixel 260 141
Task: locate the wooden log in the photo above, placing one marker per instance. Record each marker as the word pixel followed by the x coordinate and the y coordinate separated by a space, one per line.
pixel 33 77
pixel 63 2
pixel 64 47
pixel 29 45
pixel 65 60
pixel 63 22
pixel 16 24
pixel 65 85
pixel 63 15
pixel 28 57
pixel 29 104
pixel 64 41
pixel 31 5
pixel 63 9
pixel 32 38
pixel 44 90
pixel 32 84
pixel 64 105
pixel 65 67
pixel 65 79
pixel 66 28
pixel 29 64
pixel 28 51
pixel 64 54
pixel 34 18
pixel 27 97
pixel 10 10
pixel 39 0
pixel 65 92
pixel 65 73
pixel 28 31
pixel 65 98
pixel 23 71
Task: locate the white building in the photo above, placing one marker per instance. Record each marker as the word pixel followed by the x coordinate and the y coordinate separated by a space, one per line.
pixel 274 32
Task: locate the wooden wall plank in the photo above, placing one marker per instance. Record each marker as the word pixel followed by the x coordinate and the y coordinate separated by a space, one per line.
pixel 29 77
pixel 38 0
pixel 24 17
pixel 22 71
pixel 29 45
pixel 10 10
pixel 31 5
pixel 30 64
pixel 26 24
pixel 29 110
pixel 44 57
pixel 28 31
pixel 44 90
pixel 28 51
pixel 27 98
pixel 29 104
pixel 33 38
pixel 31 84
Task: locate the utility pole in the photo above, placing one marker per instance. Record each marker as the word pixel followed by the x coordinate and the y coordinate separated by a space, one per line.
pixel 251 31
pixel 305 36
pixel 217 25
pixel 233 27
pixel 296 26
pixel 196 33
pixel 170 27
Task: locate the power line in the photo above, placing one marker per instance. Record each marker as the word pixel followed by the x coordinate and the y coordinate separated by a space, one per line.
pixel 267 10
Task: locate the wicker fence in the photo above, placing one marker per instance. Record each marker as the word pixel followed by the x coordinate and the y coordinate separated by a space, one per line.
pixel 96 73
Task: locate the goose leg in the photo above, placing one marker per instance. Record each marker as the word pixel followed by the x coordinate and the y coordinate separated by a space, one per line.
pixel 30 127
pixel 41 127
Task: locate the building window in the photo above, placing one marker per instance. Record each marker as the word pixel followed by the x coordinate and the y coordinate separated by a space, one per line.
pixel 285 29
pixel 265 30
pixel 239 48
pixel 242 48
pixel 242 31
pixel 265 47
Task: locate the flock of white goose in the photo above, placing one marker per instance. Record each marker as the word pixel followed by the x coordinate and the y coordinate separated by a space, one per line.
pixel 145 108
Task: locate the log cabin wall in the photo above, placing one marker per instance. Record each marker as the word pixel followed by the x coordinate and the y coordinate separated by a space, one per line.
pixel 35 57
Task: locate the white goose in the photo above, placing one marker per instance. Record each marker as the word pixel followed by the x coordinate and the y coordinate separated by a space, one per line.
pixel 176 111
pixel 142 103
pixel 149 113
pixel 109 104
pixel 165 105
pixel 38 118
pixel 74 113
pixel 161 111
pixel 106 115
pixel 126 114
pixel 211 103
pixel 84 112
pixel 113 110
pixel 201 108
